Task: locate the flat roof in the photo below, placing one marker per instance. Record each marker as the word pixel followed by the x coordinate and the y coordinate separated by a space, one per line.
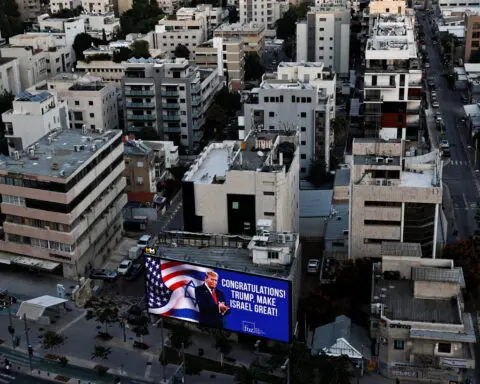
pixel 58 157
pixel 5 60
pixel 402 305
pixel 239 27
pixel 342 177
pixel 37 97
pixel 136 148
pixel 446 275
pixel 416 179
pixel 392 248
pixel 372 160
pixel 336 226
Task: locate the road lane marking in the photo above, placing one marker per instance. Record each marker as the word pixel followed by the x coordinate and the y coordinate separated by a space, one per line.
pixel 465 201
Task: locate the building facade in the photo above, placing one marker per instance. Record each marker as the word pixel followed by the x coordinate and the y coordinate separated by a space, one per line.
pixel 169 96
pixel 252 35
pixel 393 197
pixel 472 35
pixel 394 7
pixel 230 187
pixel 9 75
pixel 325 36
pixel 300 97
pixel 58 5
pixel 98 24
pixel 140 170
pixel 97 6
pixel 215 16
pixel 265 12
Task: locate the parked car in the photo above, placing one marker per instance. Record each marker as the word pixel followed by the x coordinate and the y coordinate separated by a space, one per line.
pixel 313 266
pixel 435 104
pixel 444 145
pixel 446 153
pixel 135 252
pixel 144 241
pixel 124 267
pixel 134 271
pixel 103 274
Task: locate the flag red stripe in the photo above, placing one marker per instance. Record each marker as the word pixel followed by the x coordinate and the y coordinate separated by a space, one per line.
pixel 169 264
pixel 172 275
pixel 178 284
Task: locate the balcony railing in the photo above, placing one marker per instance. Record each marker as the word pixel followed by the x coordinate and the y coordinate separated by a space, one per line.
pixel 378 98
pixel 170 93
pixel 196 114
pixel 175 117
pixel 198 124
pixel 415 84
pixel 196 100
pixel 196 89
pixel 414 97
pixel 130 92
pixel 171 106
pixel 140 105
pixel 380 86
pixel 171 129
pixel 142 117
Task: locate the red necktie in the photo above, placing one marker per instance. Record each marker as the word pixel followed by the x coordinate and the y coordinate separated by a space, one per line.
pixel 214 295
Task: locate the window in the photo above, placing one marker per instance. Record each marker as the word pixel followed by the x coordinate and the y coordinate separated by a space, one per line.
pixel 383 204
pixel 39 243
pixel 92 115
pixel 444 348
pixel 381 222
pixel 235 205
pixel 303 129
pixel 140 180
pixel 269 213
pixel 14 200
pixel 265 193
pixel 77 102
pixel 303 114
pixel 271 127
pixel 90 102
pixel 273 255
pixel 303 142
pixel 303 156
pixel 271 114
pixel 303 170
pixel 398 344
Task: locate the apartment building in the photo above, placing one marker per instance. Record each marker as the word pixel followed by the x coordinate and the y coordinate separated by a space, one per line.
pixel 58 5
pixel 168 6
pixel 171 96
pixel 140 170
pixel 62 204
pixel 418 319
pixel 472 35
pixel 9 75
pixel 99 24
pixel 215 16
pixel 325 36
pixel 167 150
pixel 106 69
pixel 252 35
pixel 394 7
pixel 92 103
pixel 227 56
pixel 393 80
pixel 232 185
pixel 97 6
pixel 30 9
pixel 33 115
pixel 393 197
pixel 264 12
pixel 299 97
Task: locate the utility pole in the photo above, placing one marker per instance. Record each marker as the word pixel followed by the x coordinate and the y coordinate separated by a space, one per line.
pixel 184 366
pixel 29 347
pixel 163 350
pixel 7 302
pixel 476 152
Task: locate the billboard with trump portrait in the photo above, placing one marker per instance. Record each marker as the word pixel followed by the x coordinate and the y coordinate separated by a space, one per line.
pixel 219 298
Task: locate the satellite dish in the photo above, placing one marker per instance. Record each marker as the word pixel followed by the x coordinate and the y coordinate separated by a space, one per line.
pixel 260 154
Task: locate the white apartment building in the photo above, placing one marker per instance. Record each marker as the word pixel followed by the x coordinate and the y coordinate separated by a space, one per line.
pixel 105 69
pixel 170 96
pixel 9 75
pixel 215 16
pixel 62 200
pixel 171 32
pixel 418 319
pixel 97 6
pixel 299 97
pixel 325 36
pixel 30 9
pixel 98 23
pixel 265 12
pixel 393 197
pixel 393 80
pixel 64 30
pixel 92 103
pixel 168 6
pixel 233 185
pixel 39 57
pixel 57 5
pixel 33 115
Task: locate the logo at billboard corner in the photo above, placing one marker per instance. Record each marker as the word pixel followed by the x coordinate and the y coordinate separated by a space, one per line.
pixel 249 327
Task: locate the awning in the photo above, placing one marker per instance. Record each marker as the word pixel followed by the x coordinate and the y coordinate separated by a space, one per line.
pixel 33 309
pixel 35 263
pixel 6 258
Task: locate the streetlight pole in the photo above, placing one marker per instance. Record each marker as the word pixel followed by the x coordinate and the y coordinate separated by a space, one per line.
pixel 163 350
pixel 29 347
pixel 183 362
pixel 286 366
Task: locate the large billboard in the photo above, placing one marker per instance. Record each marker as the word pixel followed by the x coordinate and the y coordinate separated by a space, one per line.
pixel 219 298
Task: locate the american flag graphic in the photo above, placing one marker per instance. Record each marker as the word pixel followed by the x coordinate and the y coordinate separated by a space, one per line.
pixel 171 288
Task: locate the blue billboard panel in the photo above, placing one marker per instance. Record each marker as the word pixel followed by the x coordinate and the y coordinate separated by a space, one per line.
pixel 219 298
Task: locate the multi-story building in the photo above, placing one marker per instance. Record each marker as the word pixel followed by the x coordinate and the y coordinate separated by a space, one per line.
pixel 166 150
pixel 393 197
pixel 265 12
pixel 168 6
pixel 393 80
pixel 100 25
pixel 33 115
pixel 58 5
pixel 30 9
pixel 92 103
pixel 62 201
pixel 140 167
pixel 472 35
pixel 97 6
pixel 122 6
pixel 394 7
pixel 171 96
pixel 299 97
pixel 215 16
pixel 107 70
pixel 252 35
pixel 418 321
pixel 227 56
pixel 325 36
pixel 9 75
pixel 233 185
pixel 172 31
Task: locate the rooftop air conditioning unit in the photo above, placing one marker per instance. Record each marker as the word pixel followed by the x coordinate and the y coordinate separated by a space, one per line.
pixel 378 182
pixel 389 160
pixel 76 148
pixel 379 160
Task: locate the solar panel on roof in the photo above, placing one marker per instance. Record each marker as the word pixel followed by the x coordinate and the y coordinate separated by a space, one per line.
pixel 25 95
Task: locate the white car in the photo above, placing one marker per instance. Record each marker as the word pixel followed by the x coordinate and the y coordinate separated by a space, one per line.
pixel 144 241
pixel 444 144
pixel 124 267
pixel 313 266
pixel 435 104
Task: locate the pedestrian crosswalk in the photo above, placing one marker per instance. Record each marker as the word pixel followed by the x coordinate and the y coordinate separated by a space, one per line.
pixel 458 163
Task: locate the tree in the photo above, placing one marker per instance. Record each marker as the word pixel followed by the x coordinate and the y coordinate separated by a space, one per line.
pixel 222 344
pixel 232 15
pixel 182 51
pixel 104 36
pixel 148 133
pixel 140 327
pixel 101 352
pixel 122 54
pixel 253 67
pixel 244 375
pixel 340 129
pixel 104 311
pixel 51 340
pixel 317 174
pixel 286 26
pixel 140 49
pixel 82 42
pixel 66 13
pixel 333 369
pixel 6 100
pixel 141 18
pixel 10 19
pixel 181 335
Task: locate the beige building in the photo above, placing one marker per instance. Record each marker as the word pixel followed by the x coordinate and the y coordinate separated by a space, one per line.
pixel 62 204
pixel 395 7
pixel 252 35
pixel 139 167
pixel 419 322
pixel 122 6
pixel 472 35
pixel 226 55
pixel 30 9
pixel 57 5
pixel 97 6
pixel 393 197
pixel 105 69
pixel 234 185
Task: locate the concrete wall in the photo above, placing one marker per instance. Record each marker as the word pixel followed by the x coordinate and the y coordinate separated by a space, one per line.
pixel 435 289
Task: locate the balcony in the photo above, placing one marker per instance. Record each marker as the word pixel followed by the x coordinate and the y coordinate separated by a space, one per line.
pixel 196 89
pixel 142 117
pixel 170 93
pixel 415 84
pixel 170 106
pixel 129 92
pixel 413 111
pixel 414 97
pixel 198 124
pixel 196 100
pixel 172 117
pixel 140 105
pixel 374 98
pixel 196 114
pixel 171 129
pixel 381 86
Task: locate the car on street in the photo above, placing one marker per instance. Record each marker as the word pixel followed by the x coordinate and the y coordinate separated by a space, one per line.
pixel 124 267
pixel 444 144
pixel 313 266
pixel 445 153
pixel 427 65
pixel 144 241
pixel 435 104
pixel 435 42
pixel 103 274
pixel 134 271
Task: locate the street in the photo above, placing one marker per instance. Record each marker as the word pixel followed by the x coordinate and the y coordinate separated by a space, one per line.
pixel 20 378
pixel 458 173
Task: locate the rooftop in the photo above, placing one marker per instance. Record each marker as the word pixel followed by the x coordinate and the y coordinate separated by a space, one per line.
pixel 136 148
pixel 391 248
pixel 372 160
pixel 336 226
pixel 342 177
pixel 54 154
pixel 38 97
pixel 401 304
pixel 239 27
pixel 315 203
pixel 222 251
pixel 447 275
pixel 5 60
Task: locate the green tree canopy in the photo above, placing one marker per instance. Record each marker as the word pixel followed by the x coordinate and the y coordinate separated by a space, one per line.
pixel 141 18
pixel 122 54
pixel 51 340
pixel 10 19
pixel 82 42
pixel 104 311
pixel 148 133
pixel 286 26
pixel 66 13
pixel 6 100
pixel 181 335
pixel 181 51
pixel 253 67
pixel 140 49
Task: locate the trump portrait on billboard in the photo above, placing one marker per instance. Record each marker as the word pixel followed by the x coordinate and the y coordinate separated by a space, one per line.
pixel 218 298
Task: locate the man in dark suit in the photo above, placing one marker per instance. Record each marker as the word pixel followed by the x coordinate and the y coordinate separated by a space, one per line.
pixel 211 302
